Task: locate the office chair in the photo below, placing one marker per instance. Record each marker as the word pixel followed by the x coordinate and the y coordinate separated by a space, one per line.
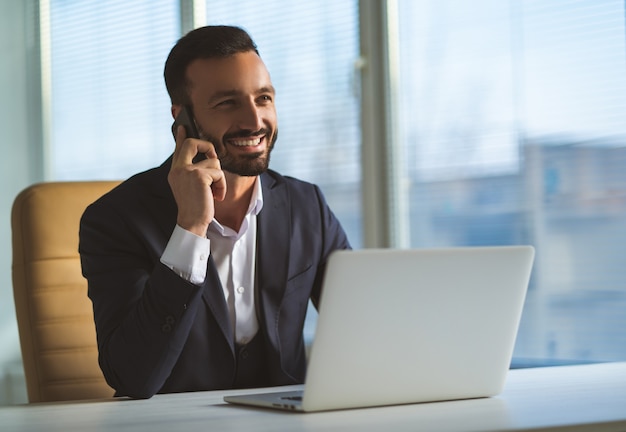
pixel 54 314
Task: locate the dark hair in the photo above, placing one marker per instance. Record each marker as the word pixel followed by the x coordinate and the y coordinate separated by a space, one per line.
pixel 201 43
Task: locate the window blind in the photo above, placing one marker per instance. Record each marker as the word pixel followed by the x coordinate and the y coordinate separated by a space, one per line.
pixel 110 113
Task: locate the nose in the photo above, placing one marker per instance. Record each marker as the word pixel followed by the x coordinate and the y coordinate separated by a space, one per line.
pixel 250 116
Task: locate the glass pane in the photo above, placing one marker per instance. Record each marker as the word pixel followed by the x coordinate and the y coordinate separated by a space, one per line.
pixel 110 110
pixel 512 120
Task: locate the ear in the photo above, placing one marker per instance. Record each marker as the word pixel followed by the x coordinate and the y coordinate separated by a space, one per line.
pixel 176 110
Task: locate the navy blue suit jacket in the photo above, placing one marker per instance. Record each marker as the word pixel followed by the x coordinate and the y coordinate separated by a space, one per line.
pixel 158 333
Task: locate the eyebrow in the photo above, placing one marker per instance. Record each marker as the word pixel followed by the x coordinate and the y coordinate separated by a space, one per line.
pixel 230 93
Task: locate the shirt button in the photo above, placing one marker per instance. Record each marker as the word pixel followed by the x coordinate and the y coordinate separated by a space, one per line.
pixel 240 290
pixel 202 257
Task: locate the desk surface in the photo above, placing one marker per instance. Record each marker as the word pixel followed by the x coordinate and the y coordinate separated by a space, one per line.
pixel 589 397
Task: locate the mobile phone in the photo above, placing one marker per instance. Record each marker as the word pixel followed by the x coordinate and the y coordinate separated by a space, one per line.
pixel 185 118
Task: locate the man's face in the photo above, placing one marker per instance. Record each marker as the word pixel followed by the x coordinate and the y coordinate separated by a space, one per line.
pixel 233 104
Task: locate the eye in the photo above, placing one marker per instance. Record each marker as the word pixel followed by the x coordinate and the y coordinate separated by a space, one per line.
pixel 266 99
pixel 225 103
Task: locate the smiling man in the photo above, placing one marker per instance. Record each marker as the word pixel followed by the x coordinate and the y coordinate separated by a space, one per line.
pixel 200 270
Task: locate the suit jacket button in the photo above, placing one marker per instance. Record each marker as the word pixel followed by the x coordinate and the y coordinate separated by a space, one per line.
pixel 166 328
pixel 170 320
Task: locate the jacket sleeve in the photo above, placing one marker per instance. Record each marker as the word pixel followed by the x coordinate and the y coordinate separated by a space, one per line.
pixel 143 311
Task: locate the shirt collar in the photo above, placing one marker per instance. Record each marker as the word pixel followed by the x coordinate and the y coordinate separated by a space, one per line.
pixel 256 204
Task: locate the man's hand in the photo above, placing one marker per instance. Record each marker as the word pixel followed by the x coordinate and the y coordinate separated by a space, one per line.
pixel 195 185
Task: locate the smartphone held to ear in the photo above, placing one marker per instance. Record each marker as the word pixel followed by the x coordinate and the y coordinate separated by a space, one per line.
pixel 185 118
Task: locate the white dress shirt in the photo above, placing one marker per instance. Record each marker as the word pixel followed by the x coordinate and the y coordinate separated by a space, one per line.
pixel 234 254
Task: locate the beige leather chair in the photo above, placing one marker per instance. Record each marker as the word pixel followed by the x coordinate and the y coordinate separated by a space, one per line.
pixel 54 314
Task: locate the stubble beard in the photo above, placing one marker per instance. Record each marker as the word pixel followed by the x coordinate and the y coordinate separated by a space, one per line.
pixel 247 165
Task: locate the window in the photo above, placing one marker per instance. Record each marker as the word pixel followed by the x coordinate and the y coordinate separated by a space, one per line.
pixel 109 108
pixel 512 123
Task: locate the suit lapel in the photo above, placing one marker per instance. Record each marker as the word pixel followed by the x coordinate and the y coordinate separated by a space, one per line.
pixel 213 296
pixel 272 259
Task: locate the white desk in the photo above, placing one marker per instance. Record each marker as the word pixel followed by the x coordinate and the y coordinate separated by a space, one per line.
pixel 578 398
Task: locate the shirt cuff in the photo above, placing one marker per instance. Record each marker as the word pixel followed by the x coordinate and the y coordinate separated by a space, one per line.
pixel 187 255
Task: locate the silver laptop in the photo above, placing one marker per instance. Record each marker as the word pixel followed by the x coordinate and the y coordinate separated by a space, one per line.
pixel 408 326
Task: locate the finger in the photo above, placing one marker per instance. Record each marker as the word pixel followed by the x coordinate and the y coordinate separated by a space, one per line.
pixel 179 152
pixel 218 185
pixel 188 148
pixel 181 134
pixel 211 153
pixel 210 159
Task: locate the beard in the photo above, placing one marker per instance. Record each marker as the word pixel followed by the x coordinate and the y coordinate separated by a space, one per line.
pixel 251 164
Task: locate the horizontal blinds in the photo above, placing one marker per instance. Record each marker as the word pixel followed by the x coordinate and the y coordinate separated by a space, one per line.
pixel 109 108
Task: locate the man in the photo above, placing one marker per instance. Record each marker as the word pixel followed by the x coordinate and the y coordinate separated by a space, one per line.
pixel 200 270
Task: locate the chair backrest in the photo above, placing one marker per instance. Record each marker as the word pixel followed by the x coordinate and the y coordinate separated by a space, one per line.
pixel 54 314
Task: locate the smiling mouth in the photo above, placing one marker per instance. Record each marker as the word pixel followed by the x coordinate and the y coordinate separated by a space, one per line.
pixel 249 142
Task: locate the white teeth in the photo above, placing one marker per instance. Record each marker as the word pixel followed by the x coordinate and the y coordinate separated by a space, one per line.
pixel 246 143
